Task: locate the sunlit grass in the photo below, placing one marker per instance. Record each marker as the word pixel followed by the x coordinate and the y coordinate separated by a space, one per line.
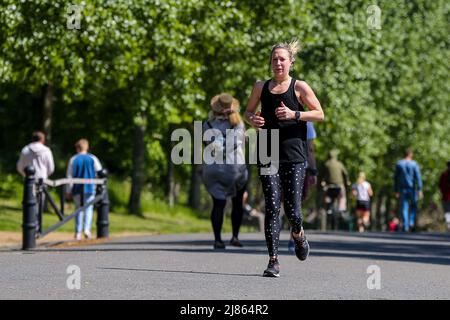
pixel 157 216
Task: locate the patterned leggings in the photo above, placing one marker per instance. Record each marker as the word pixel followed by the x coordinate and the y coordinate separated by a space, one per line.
pixel 286 185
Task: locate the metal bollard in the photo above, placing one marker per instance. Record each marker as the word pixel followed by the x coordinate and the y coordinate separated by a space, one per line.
pixel 103 207
pixel 29 208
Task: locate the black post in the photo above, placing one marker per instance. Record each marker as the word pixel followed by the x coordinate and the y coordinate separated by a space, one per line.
pixel 103 206
pixel 61 198
pixel 41 203
pixel 29 207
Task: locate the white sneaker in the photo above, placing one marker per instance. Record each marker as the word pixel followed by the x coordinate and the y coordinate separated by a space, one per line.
pixel 77 236
pixel 87 235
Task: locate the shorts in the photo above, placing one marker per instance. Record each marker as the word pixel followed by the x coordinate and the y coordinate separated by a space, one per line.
pixel 362 205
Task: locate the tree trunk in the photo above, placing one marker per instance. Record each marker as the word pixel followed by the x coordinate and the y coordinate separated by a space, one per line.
pixel 137 175
pixel 391 209
pixel 176 191
pixel 195 181
pixel 47 112
pixel 169 192
pixel 169 179
pixel 382 209
pixel 194 187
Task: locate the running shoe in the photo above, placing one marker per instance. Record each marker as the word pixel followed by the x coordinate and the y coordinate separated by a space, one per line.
pixel 301 246
pixel 235 242
pixel 219 245
pixel 273 269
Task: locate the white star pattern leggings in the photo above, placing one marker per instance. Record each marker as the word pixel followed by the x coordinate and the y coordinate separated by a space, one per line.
pixel 286 186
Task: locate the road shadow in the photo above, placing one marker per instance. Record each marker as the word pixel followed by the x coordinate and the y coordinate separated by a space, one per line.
pixel 422 236
pixel 184 249
pixel 415 248
pixel 182 271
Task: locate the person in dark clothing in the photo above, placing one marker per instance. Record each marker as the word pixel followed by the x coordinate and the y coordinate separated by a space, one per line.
pixel 335 174
pixel 283 100
pixel 334 182
pixel 444 186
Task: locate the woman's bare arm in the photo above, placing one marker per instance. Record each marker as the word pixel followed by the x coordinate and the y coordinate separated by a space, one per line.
pixel 308 97
pixel 253 119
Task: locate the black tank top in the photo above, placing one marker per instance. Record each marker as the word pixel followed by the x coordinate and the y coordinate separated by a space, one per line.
pixel 292 145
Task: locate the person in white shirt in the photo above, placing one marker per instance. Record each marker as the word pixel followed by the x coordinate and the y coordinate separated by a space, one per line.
pixel 38 155
pixel 362 190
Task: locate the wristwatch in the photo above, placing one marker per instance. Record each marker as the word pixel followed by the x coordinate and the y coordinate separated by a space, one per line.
pixel 297 115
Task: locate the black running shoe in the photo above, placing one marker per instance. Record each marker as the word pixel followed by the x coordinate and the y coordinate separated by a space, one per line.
pixel 273 269
pixel 301 246
pixel 235 242
pixel 219 245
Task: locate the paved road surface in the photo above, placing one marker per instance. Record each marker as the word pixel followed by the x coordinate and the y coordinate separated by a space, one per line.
pixel 411 266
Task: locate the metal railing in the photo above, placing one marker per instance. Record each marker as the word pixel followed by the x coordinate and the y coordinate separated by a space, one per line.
pixel 35 192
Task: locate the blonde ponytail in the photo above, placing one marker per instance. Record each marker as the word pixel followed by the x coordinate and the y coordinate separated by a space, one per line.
pixel 361 177
pixel 293 47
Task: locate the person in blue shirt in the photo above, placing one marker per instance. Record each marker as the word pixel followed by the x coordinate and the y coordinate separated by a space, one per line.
pixel 83 165
pixel 408 188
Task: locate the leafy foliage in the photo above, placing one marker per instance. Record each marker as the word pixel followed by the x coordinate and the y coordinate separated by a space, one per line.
pixel 157 63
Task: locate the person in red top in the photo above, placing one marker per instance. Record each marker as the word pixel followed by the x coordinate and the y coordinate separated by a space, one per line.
pixel 444 185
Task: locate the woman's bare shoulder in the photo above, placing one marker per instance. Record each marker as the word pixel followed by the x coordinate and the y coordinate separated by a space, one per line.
pixel 259 84
pixel 301 85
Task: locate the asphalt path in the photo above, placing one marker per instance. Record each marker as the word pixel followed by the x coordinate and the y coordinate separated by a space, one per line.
pixel 185 266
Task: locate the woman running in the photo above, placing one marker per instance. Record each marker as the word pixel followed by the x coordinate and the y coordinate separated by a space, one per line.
pixel 282 101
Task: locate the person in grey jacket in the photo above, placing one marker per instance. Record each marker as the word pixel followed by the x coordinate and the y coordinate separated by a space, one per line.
pixel 38 155
pixel 224 172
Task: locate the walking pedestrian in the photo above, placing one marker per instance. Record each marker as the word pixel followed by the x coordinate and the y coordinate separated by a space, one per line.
pixel 408 188
pixel 226 176
pixel 38 155
pixel 362 190
pixel 444 186
pixel 83 165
